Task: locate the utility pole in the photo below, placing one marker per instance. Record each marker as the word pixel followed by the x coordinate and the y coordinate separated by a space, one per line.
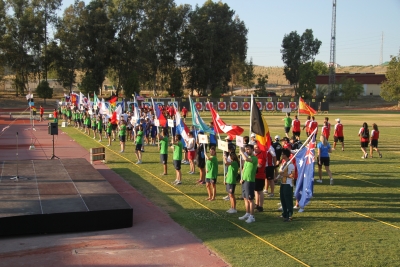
pixel 332 60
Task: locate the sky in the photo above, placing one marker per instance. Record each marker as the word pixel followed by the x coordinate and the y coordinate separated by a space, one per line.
pixel 359 27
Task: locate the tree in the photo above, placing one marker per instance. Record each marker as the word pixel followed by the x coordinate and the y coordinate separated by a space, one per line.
pixel 88 84
pixel 390 90
pixel 175 88
pixel 350 89
pixel 296 51
pixel 131 84
pixel 307 75
pixel 320 67
pixel 262 81
pixel 247 76
pixel 44 91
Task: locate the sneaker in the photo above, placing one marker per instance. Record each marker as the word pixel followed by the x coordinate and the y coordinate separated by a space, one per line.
pixel 139 162
pixel 280 208
pixel 94 137
pixel 295 207
pixel 366 155
pixel 287 219
pixel 259 209
pixel 301 210
pixel 178 183
pixel 265 192
pixel 250 219
pixel 319 181
pixel 100 140
pixel 244 217
pixel 121 151
pixel 342 149
pixel 231 211
pixel 108 145
pixel 271 195
pixel 380 155
pixel 331 182
pixel 226 197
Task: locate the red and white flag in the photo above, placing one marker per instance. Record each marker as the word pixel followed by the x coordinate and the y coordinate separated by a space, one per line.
pixel 221 127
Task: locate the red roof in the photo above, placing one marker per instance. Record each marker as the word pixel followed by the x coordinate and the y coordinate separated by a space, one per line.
pixel 363 78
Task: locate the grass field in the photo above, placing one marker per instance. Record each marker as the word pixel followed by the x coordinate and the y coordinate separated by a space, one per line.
pixel 355 222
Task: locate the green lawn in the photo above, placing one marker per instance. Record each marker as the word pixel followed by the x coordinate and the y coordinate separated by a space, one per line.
pixel 356 222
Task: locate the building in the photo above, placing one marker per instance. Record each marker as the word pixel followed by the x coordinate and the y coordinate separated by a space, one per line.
pixel 371 82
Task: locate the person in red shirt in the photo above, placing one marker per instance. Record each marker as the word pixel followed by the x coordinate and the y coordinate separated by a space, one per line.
pixel 373 145
pixel 184 112
pixel 296 127
pixel 313 125
pixel 363 133
pixel 260 178
pixel 326 130
pixel 41 112
pixel 338 134
pixel 55 115
pixel 307 126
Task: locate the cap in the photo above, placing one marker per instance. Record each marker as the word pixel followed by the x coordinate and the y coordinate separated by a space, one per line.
pixel 338 120
pixel 277 137
pixel 285 139
pixel 253 135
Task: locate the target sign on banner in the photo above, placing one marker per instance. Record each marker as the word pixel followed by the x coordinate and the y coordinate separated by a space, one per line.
pixel 199 106
pixel 146 104
pixel 172 103
pixel 207 105
pixel 293 105
pixel 259 105
pixel 234 106
pixel 269 106
pixel 246 106
pixel 221 105
pixel 159 104
pixel 280 105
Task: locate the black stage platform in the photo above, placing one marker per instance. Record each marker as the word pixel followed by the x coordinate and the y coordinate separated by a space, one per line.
pixel 56 196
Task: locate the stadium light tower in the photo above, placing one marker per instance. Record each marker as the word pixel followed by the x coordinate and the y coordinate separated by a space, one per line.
pixel 332 60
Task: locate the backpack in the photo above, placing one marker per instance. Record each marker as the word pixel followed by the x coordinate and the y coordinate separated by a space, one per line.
pixel 278 150
pixel 365 134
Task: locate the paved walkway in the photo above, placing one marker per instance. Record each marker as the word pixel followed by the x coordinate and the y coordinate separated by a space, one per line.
pixel 154 240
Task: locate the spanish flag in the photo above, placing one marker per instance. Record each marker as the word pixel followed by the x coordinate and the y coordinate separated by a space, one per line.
pixel 305 109
pixel 260 127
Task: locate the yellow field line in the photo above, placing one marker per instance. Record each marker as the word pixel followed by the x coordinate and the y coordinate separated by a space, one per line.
pixel 207 208
pixel 362 215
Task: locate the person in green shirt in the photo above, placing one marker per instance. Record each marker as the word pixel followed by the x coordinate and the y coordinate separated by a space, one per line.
pixel 211 174
pixel 87 123
pixel 248 182
pixel 139 144
pixel 177 147
pixel 230 180
pixel 109 131
pixel 288 124
pixel 99 125
pixel 94 125
pixel 163 148
pixel 122 135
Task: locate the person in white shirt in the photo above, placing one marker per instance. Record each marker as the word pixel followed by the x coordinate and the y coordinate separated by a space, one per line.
pixel 286 173
pixel 190 144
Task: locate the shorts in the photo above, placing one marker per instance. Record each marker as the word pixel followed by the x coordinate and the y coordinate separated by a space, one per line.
pixel 122 138
pixel 177 164
pixel 191 155
pixel 211 180
pixel 108 134
pixel 138 147
pixel 94 128
pixel 114 127
pixel 296 133
pixel 374 143
pixel 184 116
pixel 324 161
pixel 164 158
pixel 364 144
pixel 338 138
pixel 287 129
pixel 230 188
pixel 201 163
pixel 185 149
pixel 259 185
pixel 99 130
pixel 248 190
pixel 270 172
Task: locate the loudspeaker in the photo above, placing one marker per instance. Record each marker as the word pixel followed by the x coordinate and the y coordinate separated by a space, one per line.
pixel 53 128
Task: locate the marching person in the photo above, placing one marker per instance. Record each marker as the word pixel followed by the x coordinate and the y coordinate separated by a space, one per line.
pixel 163 148
pixel 211 174
pixel 363 133
pixel 307 126
pixel 338 134
pixel 296 126
pixel 373 145
pixel 139 144
pixel 230 179
pixel 41 112
pixel 177 148
pixel 286 173
pixel 324 148
pixel 288 124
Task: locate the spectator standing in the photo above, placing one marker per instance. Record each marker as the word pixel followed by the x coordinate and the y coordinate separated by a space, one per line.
pixel 313 125
pixel 230 179
pixel 163 148
pixel 324 148
pixel 286 173
pixel 139 144
pixel 41 112
pixel 338 134
pixel 260 178
pixel 296 127
pixel 177 158
pixel 211 174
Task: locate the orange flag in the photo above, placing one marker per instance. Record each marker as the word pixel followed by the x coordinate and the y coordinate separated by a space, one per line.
pixel 305 109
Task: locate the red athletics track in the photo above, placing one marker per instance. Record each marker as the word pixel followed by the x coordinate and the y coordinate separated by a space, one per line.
pixel 154 240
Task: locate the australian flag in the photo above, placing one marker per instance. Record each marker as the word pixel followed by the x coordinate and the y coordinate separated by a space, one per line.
pixel 305 170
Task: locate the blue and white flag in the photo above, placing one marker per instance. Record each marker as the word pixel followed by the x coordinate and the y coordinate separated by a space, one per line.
pixel 305 170
pixel 197 121
pixel 135 120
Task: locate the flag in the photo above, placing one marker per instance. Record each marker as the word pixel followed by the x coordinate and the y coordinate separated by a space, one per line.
pixel 305 170
pixel 159 115
pixel 221 127
pixel 89 103
pixel 67 97
pixel 113 100
pixel 29 96
pixel 138 97
pixel 95 100
pixel 305 109
pixel 181 127
pixel 104 109
pixel 260 127
pixel 135 120
pixel 197 120
pixel 75 99
pixel 118 111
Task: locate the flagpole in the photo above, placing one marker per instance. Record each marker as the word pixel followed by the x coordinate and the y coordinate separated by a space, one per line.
pixel 251 112
pixel 298 108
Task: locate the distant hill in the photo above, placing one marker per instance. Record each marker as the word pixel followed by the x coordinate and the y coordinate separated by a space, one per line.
pixel 276 76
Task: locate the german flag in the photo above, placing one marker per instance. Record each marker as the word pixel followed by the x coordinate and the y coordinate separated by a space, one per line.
pixel 305 109
pixel 260 127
